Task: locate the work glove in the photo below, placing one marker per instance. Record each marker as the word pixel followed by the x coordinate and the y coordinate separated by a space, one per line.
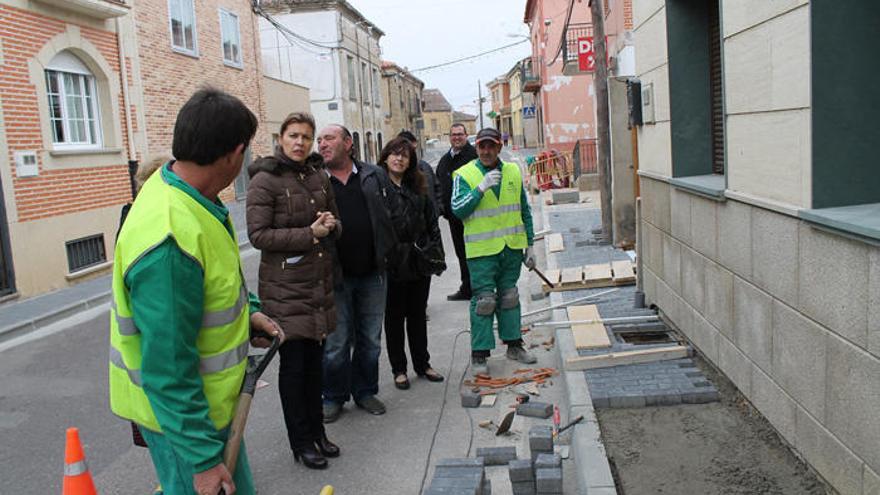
pixel 490 180
pixel 529 258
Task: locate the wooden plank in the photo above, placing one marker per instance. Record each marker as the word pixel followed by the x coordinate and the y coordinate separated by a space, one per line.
pixel 572 276
pixel 588 335
pixel 555 242
pixel 623 272
pixel 597 273
pixel 581 363
pixel 553 276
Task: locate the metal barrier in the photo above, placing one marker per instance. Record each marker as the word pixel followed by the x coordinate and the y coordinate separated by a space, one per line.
pixel 552 169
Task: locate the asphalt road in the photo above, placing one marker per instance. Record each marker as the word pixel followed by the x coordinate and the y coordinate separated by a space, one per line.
pixel 60 380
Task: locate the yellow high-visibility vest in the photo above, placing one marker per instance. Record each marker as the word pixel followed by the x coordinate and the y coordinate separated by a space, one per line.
pixel 497 220
pixel 162 210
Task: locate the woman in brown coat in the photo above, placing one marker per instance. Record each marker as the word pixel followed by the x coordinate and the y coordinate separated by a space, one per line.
pixel 292 220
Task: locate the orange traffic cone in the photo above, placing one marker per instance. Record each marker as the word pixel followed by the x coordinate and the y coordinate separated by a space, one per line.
pixel 77 479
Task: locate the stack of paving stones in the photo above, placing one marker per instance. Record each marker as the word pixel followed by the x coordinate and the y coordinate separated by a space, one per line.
pixel 548 474
pixel 542 473
pixel 460 476
pixel 638 385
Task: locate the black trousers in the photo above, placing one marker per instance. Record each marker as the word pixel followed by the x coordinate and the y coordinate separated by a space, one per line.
pixel 299 384
pixel 405 321
pixel 456 228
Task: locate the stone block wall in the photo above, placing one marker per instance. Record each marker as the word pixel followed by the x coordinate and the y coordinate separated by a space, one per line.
pixel 788 312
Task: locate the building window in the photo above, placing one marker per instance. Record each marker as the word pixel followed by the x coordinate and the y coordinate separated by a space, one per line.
pixel 231 38
pixel 183 26
pixel 73 106
pixel 352 79
pixel 433 124
pixel 365 94
pixel 376 95
pixel 696 103
pixel 400 93
pixel 85 252
pixel 356 145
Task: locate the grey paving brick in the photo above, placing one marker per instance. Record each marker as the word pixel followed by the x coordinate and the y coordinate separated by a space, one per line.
pixel 487 487
pixel 460 462
pixel 456 486
pixel 626 401
pixel 474 475
pixel 523 488
pixel 520 470
pixel 497 456
pixel 704 397
pixel 541 438
pixel 548 480
pixel 548 461
pixel 470 398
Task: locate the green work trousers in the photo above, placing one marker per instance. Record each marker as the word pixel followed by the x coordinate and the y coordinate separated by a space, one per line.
pixel 494 274
pixel 176 476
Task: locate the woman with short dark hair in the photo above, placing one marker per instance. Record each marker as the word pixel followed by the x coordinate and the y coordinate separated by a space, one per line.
pixel 417 254
pixel 292 220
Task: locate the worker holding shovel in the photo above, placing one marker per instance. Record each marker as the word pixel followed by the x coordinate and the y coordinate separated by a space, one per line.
pixel 182 319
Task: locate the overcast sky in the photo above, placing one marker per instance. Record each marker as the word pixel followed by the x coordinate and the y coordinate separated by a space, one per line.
pixel 420 33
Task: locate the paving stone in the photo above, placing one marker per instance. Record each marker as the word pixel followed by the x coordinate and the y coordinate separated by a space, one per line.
pixel 487 487
pixel 541 438
pixel 566 197
pixel 470 398
pixel 705 397
pixel 548 461
pixel 457 486
pixel 535 409
pixel 548 480
pixel 475 475
pixel 523 488
pixel 520 470
pixel 497 456
pixel 460 462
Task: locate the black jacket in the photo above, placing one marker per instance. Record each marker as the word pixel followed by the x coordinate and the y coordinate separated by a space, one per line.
pixel 418 251
pixel 445 167
pixel 376 188
pixel 434 193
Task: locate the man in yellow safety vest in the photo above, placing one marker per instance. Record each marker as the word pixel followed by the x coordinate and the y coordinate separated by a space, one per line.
pixel 488 196
pixel 181 317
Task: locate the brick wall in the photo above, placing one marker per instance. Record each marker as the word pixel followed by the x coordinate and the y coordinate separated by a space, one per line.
pixel 54 191
pixel 169 78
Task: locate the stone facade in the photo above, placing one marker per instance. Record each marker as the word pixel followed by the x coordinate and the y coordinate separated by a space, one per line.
pixel 787 310
pixel 401 101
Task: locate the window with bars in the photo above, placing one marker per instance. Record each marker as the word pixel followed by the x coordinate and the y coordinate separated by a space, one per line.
pixel 85 252
pixel 231 38
pixel 352 79
pixel 696 102
pixel 73 106
pixel 182 18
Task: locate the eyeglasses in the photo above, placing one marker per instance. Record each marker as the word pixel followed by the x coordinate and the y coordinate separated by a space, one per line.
pixel 457 134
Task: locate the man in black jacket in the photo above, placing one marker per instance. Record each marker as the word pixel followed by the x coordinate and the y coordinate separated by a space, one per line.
pixel 351 353
pixel 459 154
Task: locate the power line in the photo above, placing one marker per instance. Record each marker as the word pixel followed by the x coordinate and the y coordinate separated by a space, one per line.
pixel 487 52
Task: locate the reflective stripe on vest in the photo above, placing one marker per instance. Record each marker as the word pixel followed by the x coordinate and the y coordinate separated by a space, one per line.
pixel 212 364
pixel 210 319
pixel 163 212
pixel 496 222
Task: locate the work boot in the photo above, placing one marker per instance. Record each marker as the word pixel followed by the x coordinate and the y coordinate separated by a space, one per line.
pixel 332 410
pixel 479 365
pixel 516 352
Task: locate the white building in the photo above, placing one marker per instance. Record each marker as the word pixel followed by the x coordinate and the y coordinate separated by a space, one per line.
pixel 332 49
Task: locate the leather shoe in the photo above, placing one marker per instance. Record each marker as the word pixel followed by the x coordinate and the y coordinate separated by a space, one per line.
pixel 459 296
pixel 401 381
pixel 331 410
pixel 372 405
pixel 310 457
pixel 326 447
pixel 431 375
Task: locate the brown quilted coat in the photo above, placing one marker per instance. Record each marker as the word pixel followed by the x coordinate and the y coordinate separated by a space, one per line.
pixel 296 274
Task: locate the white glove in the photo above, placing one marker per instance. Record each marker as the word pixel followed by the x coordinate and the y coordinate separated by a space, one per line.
pixel 529 258
pixel 491 179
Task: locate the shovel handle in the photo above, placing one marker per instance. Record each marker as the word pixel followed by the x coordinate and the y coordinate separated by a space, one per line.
pixel 236 431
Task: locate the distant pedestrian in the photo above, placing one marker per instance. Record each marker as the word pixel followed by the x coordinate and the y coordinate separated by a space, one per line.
pixel 460 153
pixel 489 197
pixel 351 353
pixel 505 137
pixel 417 254
pixel 180 321
pixel 292 220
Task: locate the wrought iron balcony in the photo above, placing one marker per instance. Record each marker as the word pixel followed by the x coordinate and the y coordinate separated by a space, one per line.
pixel 101 9
pixel 531 82
pixel 570 47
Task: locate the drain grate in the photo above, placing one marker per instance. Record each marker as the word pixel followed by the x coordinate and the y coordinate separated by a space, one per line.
pixel 644 338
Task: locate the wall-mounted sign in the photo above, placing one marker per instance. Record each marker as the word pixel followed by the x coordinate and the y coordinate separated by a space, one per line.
pixel 586 58
pixel 528 112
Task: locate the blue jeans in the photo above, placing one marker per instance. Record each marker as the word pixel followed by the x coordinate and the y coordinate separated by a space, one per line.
pixel 351 353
